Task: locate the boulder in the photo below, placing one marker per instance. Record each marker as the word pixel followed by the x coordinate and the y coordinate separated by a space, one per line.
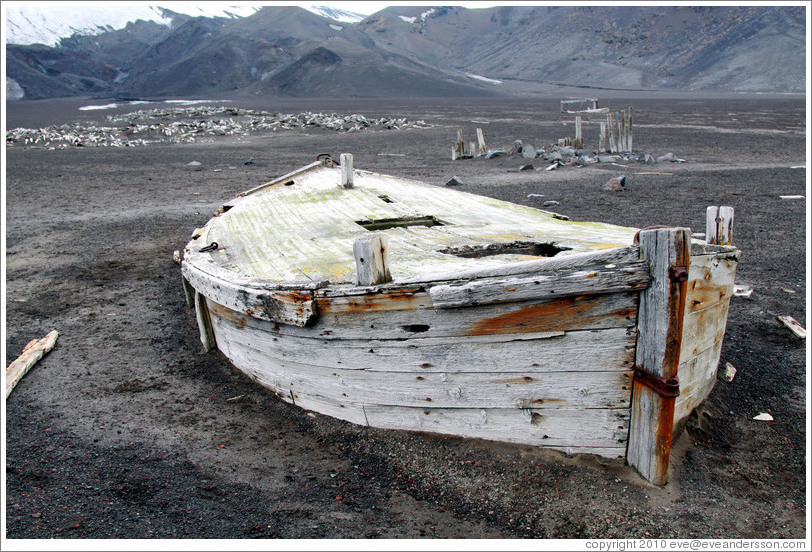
pixel 616 184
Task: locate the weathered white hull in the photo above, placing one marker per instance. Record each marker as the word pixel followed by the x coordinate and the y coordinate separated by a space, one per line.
pixel 539 352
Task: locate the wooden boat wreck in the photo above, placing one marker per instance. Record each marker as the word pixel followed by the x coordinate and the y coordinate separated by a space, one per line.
pixel 397 304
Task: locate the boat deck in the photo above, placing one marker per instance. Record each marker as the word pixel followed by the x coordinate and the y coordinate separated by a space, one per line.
pixel 302 226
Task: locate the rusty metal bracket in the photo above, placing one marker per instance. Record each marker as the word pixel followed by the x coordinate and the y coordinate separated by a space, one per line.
pixel 666 388
pixel 678 273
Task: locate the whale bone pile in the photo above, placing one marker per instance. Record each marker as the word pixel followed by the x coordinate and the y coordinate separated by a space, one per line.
pixel 187 124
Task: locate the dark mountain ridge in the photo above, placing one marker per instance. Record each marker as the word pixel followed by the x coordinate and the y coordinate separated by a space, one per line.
pixel 421 51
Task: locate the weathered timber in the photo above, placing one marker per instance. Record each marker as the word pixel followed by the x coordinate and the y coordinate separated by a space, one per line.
pixel 630 131
pixel 595 279
pixel 204 323
pixel 579 141
pixel 371 253
pixel 660 320
pixel 719 225
pixel 793 325
pixel 31 354
pixel 602 137
pixel 481 146
pixel 347 174
pixel 609 349
pixel 188 291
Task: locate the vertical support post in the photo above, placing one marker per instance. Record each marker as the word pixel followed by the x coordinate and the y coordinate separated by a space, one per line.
pixel 578 139
pixel 610 123
pixel 602 138
pixel 630 137
pixel 623 131
pixel 458 147
pixel 480 138
pixel 371 260
pixel 659 337
pixel 719 225
pixel 346 170
pixel 189 291
pixel 204 323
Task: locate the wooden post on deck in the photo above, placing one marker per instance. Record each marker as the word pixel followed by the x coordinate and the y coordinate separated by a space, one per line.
pixel 371 262
pixel 346 170
pixel 659 327
pixel 719 225
pixel 204 323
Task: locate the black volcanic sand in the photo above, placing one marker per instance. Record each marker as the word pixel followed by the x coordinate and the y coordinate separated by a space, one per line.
pixel 127 430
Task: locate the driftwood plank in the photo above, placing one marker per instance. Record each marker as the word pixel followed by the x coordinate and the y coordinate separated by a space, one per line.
pixel 30 355
pixel 793 325
pixel 660 320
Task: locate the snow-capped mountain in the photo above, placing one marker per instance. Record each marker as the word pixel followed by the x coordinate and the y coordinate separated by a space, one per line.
pixel 48 23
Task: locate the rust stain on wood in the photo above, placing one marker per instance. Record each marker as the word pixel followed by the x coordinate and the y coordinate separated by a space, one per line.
pixel 567 313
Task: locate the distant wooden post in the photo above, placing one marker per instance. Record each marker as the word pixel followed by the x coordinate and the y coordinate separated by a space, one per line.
pixel 482 148
pixel 458 147
pixel 630 134
pixel 578 140
pixel 719 225
pixel 659 327
pixel 602 138
pixel 371 262
pixel 346 170
pixel 204 323
pixel 610 124
pixel 623 143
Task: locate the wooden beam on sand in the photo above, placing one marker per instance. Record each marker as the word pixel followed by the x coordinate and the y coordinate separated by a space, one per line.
pixel 31 354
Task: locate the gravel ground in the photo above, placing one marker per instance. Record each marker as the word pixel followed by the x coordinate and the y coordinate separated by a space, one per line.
pixel 127 430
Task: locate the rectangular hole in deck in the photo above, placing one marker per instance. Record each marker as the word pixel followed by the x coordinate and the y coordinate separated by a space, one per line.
pixel 533 249
pixel 384 224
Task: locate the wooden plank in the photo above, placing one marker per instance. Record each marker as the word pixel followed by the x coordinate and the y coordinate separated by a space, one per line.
pixel 595 279
pixel 710 282
pixel 697 378
pixel 518 389
pixel 585 351
pixel 204 324
pixel 288 307
pixel 579 141
pixel 347 173
pixel 660 320
pixel 719 225
pixel 793 325
pixel 31 354
pixel 595 431
pixel 371 260
pixel 602 138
